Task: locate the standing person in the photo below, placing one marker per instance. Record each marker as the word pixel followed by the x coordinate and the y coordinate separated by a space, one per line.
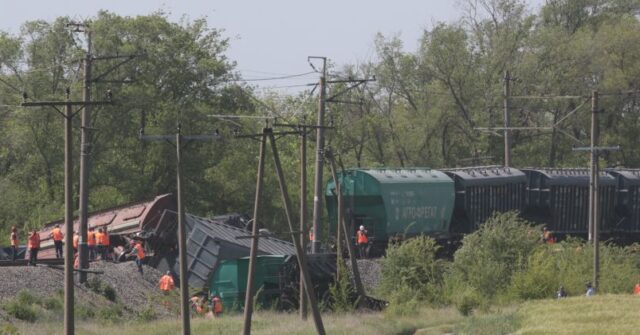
pixel 57 236
pixel 362 241
pixel 636 289
pixel 138 250
pixel 34 246
pixel 107 245
pixel 14 243
pixel 561 293
pixel 76 240
pixel 91 243
pixel 99 236
pixel 590 290
pixel 216 306
pixel 166 283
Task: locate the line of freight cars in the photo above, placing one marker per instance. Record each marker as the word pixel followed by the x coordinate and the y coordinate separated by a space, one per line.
pixel 446 204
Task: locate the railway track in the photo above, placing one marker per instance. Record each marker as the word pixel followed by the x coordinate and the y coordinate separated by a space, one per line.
pixel 25 262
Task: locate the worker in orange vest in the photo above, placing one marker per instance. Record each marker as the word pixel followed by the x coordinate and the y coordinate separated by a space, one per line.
pixel 34 246
pixel 57 236
pixel 362 241
pixel 636 289
pixel 216 306
pixel 14 243
pixel 91 243
pixel 76 240
pixel 138 250
pixel 99 235
pixel 166 283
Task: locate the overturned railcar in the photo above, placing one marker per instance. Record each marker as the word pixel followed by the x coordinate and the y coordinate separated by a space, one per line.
pixel 559 199
pixel 482 191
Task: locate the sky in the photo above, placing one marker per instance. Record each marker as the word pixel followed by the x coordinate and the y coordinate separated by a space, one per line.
pixel 270 38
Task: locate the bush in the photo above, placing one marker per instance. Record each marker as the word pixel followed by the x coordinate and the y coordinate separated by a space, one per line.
pixel 413 269
pixel 25 297
pixel 53 304
pixel 147 314
pixel 109 292
pixel 341 291
pixel 111 313
pixel 21 311
pixel 98 287
pixel 9 329
pixel 83 312
pixel 489 257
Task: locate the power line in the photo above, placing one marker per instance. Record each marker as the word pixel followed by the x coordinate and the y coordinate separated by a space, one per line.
pixel 271 78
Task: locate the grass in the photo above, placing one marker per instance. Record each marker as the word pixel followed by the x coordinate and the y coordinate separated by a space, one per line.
pixel 607 314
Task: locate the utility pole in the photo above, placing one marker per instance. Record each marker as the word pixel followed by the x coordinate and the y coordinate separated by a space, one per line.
pixel 507 138
pixel 303 215
pixel 182 233
pixel 85 152
pixel 85 140
pixel 68 192
pixel 594 176
pixel 248 299
pixel 318 182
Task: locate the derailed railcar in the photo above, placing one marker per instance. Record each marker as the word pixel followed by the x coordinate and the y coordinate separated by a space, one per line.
pixel 482 191
pixel 627 203
pixel 559 198
pixel 394 202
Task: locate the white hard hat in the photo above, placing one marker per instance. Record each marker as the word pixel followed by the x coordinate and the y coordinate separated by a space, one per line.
pixel 361 227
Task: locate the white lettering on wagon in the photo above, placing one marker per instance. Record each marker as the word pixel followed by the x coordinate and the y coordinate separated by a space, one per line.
pixel 416 212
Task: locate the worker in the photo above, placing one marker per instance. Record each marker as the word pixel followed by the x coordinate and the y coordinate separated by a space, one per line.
pixel 362 242
pixel 138 250
pixel 547 236
pixel 590 290
pixel 216 306
pixel 57 236
pixel 166 283
pixel 34 246
pixel 197 305
pixel 561 293
pixel 76 240
pixel 636 289
pixel 91 243
pixel 99 236
pixel 14 243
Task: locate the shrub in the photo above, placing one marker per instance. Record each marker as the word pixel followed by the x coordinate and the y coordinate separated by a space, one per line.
pixel 52 303
pixel 25 297
pixel 413 269
pixel 109 292
pixel 83 312
pixel 9 329
pixel 18 310
pixel 489 257
pixel 111 313
pixel 98 287
pixel 147 314
pixel 341 291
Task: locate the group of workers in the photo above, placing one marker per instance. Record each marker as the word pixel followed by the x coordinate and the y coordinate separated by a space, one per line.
pixel 97 242
pixel 198 303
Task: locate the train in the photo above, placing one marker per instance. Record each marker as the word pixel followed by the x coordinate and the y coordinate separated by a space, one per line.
pixel 447 204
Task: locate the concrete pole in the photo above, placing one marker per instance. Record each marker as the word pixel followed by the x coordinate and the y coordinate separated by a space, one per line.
pixel 318 182
pixel 507 137
pixel 248 299
pixel 303 215
pixel 302 263
pixel 592 167
pixel 68 220
pixel 182 241
pixel 85 152
pixel 596 198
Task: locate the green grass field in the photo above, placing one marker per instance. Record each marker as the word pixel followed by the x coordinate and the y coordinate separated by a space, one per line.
pixel 608 314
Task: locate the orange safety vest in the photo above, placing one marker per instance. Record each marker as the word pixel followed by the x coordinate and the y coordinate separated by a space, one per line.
pixel 311 237
pixel 636 290
pixel 34 241
pixel 166 283
pixel 362 237
pixel 76 239
pixel 91 238
pixel 99 238
pixel 14 239
pixel 139 250
pixel 56 234
pixel 217 305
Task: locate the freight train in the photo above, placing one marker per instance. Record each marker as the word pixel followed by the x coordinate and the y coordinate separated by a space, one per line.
pixel 446 204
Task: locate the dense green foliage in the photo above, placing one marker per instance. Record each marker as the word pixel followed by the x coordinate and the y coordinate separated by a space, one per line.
pixel 423 110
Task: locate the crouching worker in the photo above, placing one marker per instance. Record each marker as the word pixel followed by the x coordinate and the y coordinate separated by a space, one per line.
pixel 216 306
pixel 166 283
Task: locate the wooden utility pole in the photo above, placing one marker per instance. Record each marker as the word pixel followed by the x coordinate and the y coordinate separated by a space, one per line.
pixel 303 215
pixel 182 232
pixel 68 193
pixel 318 181
pixel 85 152
pixel 248 299
pixel 302 263
pixel 507 137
